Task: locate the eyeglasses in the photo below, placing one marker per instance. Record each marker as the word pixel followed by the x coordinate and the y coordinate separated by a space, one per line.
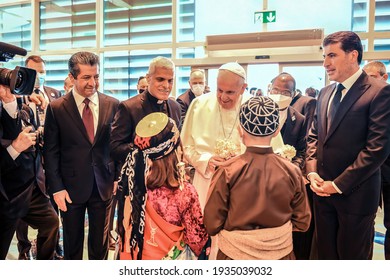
pixel 282 92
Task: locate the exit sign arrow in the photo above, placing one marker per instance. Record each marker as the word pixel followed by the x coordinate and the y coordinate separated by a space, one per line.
pixel 265 16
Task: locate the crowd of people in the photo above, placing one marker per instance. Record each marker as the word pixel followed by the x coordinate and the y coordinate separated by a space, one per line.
pixel 275 175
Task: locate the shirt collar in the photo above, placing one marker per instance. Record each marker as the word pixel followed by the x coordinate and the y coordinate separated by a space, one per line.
pixel 348 83
pixel 153 99
pixel 79 98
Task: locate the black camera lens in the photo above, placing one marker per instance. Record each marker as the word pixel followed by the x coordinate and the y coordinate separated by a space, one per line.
pixel 21 80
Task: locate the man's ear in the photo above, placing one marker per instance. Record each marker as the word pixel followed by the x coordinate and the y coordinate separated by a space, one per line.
pixel 244 86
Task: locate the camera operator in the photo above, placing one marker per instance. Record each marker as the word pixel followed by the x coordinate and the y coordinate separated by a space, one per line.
pixel 20 195
pixel 38 115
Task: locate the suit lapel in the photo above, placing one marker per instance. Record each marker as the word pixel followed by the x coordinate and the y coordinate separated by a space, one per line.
pixel 324 108
pixel 51 95
pixel 289 124
pixel 71 108
pixel 295 99
pixel 354 93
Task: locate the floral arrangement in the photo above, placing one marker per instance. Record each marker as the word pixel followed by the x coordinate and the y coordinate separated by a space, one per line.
pixel 287 151
pixel 226 149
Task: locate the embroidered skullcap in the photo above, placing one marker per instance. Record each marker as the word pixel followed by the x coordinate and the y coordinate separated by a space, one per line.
pixel 235 68
pixel 156 135
pixel 259 116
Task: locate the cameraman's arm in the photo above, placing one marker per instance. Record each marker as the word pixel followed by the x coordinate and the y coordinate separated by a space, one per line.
pixel 24 141
pixel 9 117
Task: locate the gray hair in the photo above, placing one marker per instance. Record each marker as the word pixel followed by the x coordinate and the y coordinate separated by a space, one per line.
pixel 160 61
pixel 378 65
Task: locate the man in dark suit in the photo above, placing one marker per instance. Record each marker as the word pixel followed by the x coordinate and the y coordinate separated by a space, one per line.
pixel 292 122
pixel 293 133
pixel 347 144
pixel 197 85
pixel 304 105
pixel 377 70
pixel 142 84
pixel 20 194
pixel 79 170
pixel 155 99
pixel 160 81
pixel 39 65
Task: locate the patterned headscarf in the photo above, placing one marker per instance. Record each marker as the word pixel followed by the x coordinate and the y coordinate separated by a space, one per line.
pixel 259 116
pixel 156 137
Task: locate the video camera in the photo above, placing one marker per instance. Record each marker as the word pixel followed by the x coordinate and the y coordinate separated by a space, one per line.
pixel 21 80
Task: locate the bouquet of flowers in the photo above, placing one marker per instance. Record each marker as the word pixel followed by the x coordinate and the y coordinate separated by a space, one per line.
pixel 287 151
pixel 225 149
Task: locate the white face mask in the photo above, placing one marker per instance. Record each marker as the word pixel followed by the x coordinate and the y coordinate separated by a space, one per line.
pixel 39 80
pixel 282 100
pixel 198 89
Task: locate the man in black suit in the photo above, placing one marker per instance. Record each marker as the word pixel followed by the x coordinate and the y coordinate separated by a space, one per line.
pixel 156 99
pixel 20 194
pixel 197 85
pixel 347 144
pixel 79 170
pixel 293 133
pixel 305 105
pixel 160 81
pixel 377 70
pixel 39 65
pixel 292 122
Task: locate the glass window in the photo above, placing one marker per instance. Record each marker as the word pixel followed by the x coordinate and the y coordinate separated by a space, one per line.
pixel 123 68
pixel 56 70
pixel 382 15
pixel 260 75
pixel 186 21
pixel 307 76
pixel 137 22
pixel 360 16
pixel 66 24
pixel 183 73
pixel 15 25
pixel 382 45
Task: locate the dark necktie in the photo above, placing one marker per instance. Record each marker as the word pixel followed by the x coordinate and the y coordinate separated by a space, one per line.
pixel 88 120
pixel 39 113
pixel 335 104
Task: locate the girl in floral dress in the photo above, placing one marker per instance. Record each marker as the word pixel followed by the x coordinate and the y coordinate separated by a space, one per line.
pixel 162 217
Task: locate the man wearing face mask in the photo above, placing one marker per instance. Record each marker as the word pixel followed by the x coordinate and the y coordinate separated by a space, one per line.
pixel 197 87
pixel 142 84
pixel 293 133
pixel 292 122
pixel 38 64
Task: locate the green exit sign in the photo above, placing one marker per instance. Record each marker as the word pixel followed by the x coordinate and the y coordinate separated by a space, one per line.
pixel 265 16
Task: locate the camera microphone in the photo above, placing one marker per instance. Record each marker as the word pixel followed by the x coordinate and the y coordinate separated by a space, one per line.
pixel 4 47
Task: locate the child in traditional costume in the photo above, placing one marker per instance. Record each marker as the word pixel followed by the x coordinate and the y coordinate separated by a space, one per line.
pixel 259 198
pixel 162 217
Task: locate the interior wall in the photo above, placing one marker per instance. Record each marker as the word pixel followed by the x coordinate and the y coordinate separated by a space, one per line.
pixel 215 17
